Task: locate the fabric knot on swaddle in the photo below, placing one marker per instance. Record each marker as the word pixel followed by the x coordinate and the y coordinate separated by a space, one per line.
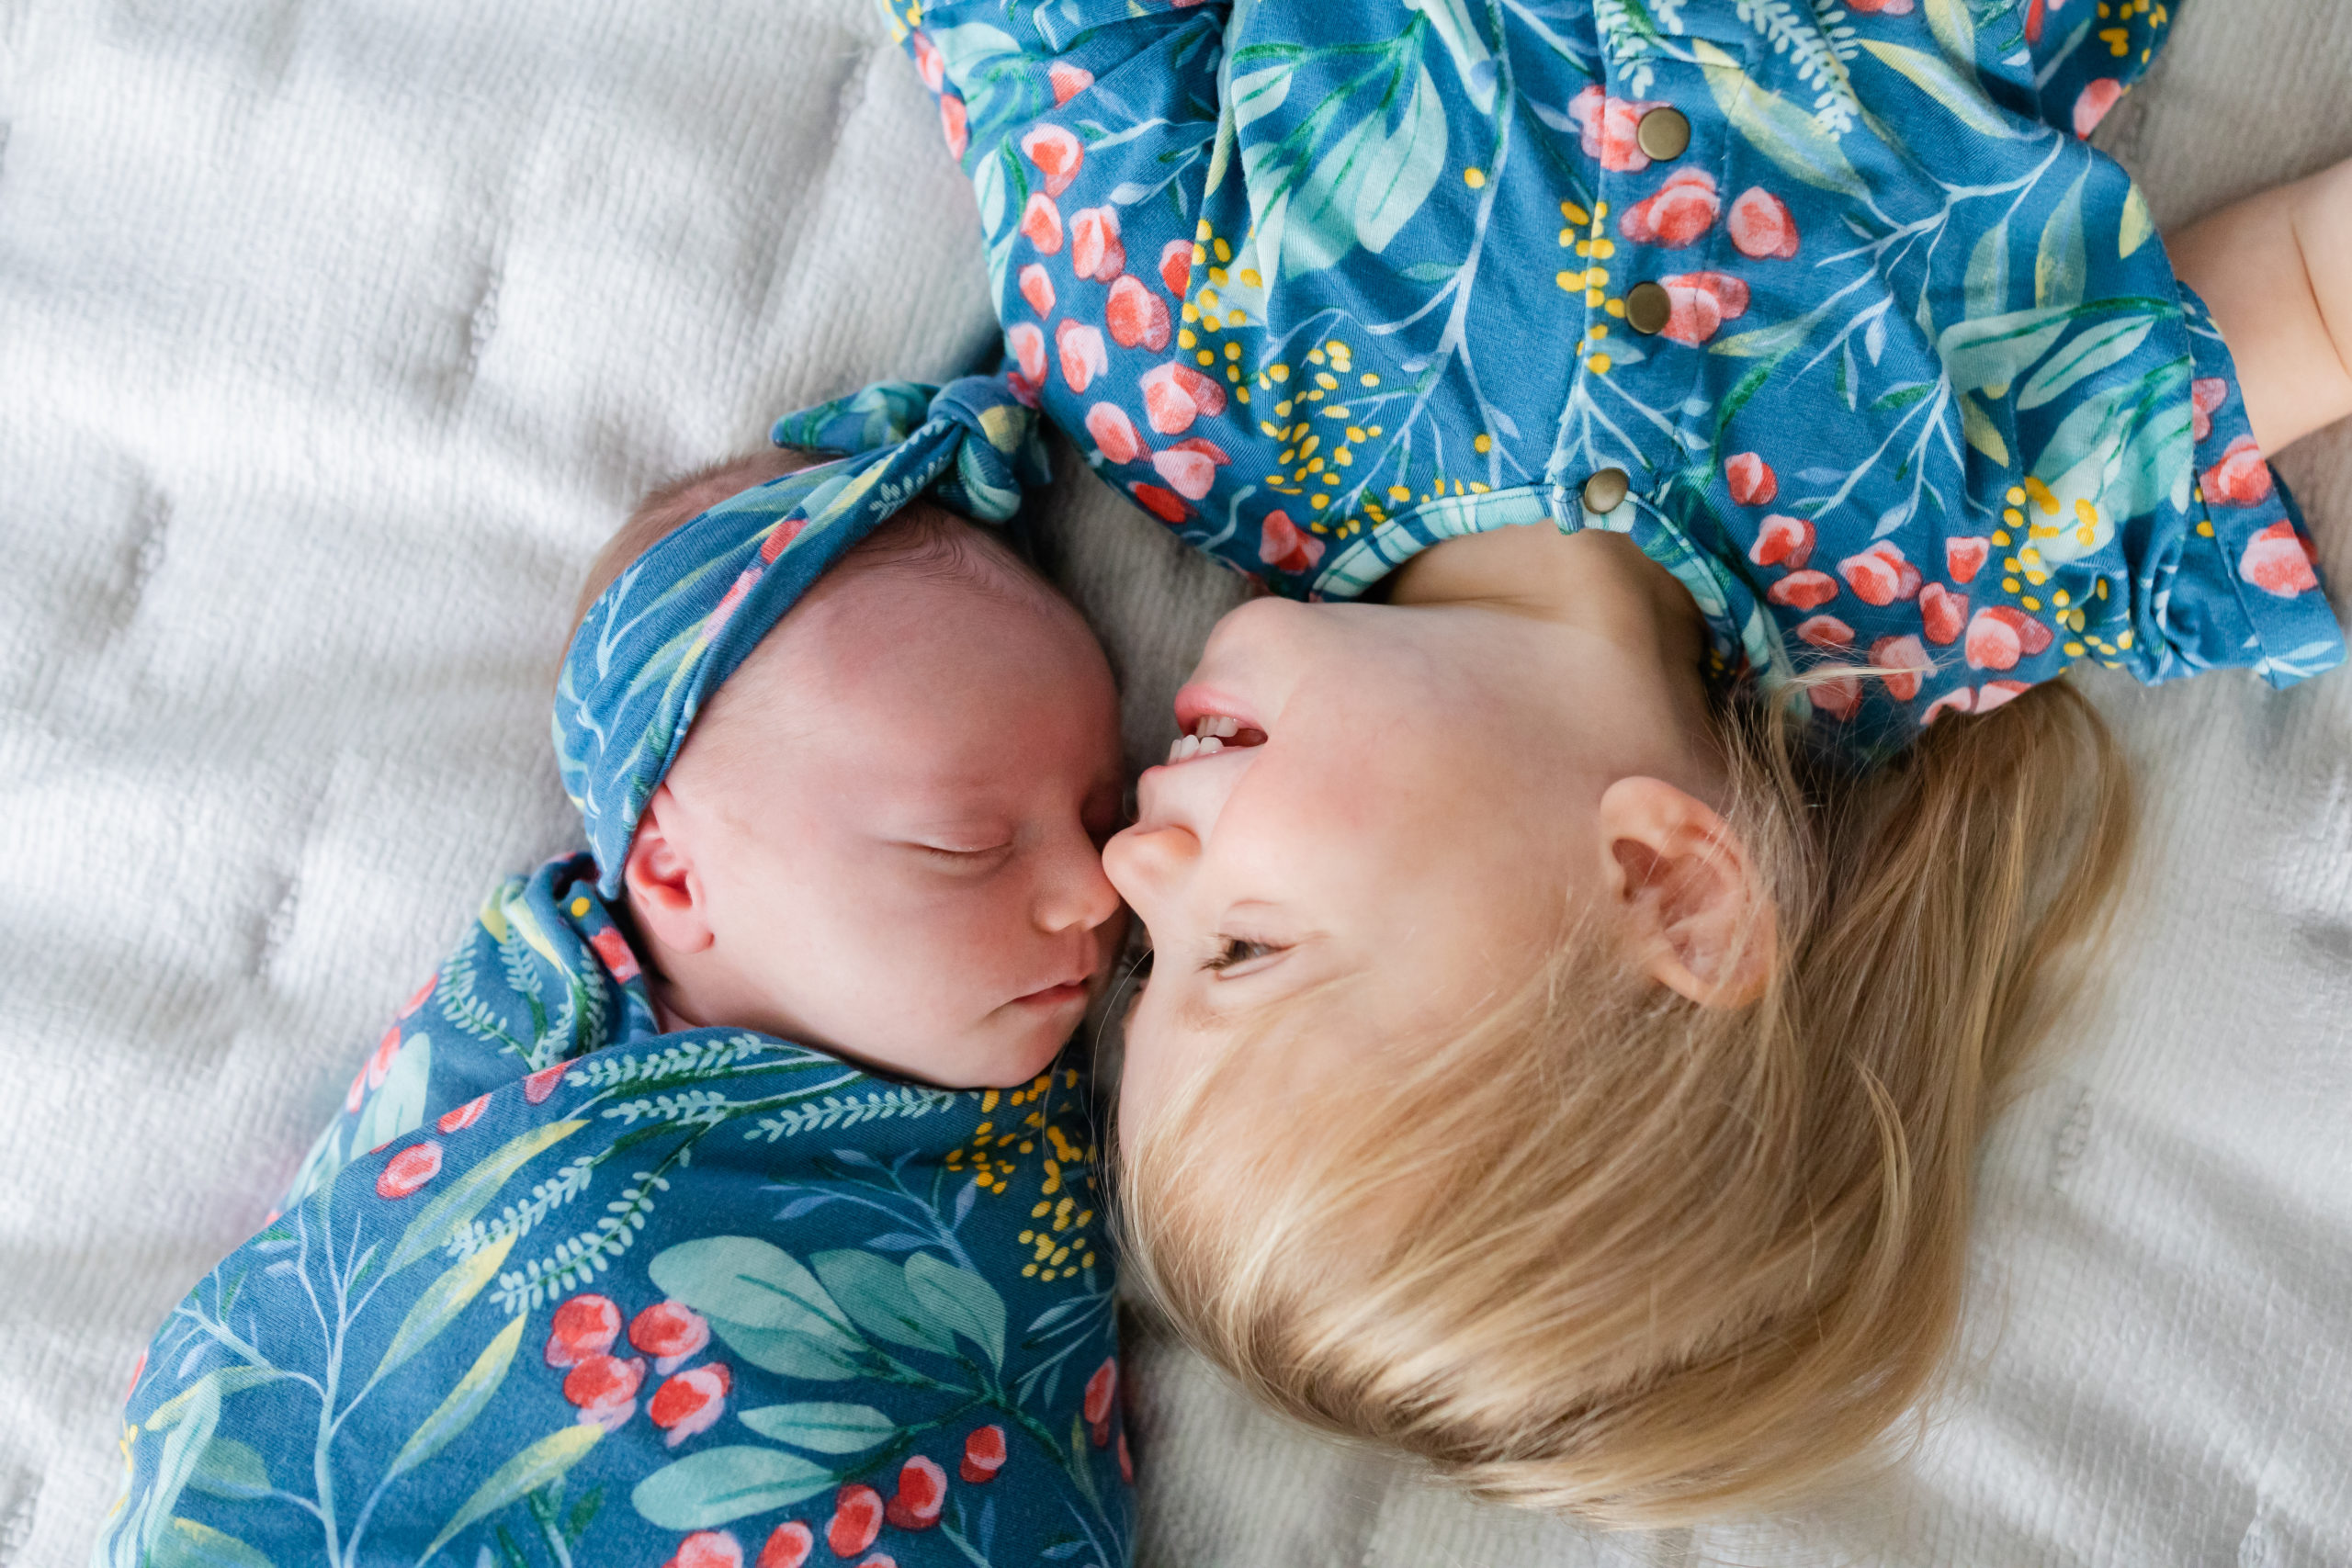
pixel 685 614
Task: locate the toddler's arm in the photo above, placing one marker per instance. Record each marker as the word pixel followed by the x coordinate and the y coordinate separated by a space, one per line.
pixel 2275 270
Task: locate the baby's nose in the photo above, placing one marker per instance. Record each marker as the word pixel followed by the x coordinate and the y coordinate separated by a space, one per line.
pixel 1077 894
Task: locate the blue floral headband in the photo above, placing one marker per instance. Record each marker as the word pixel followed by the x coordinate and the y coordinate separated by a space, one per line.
pixel 685 614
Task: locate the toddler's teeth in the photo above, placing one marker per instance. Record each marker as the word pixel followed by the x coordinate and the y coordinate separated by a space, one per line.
pixel 1203 727
pixel 1208 747
pixel 1228 728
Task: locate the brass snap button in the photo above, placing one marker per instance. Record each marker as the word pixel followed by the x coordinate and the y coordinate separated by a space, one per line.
pixel 1663 134
pixel 1605 491
pixel 1648 308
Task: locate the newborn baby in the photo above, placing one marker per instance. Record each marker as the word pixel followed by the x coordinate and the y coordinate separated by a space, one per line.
pixel 845 764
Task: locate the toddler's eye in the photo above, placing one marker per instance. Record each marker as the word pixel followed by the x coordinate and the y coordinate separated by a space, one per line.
pixel 1233 952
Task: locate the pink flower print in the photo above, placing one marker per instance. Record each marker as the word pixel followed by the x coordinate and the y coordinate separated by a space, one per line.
pixel 883 1559
pixel 1057 151
pixel 139 1369
pixel 465 1115
pixel 983 1454
pixel 1612 129
pixel 1069 81
pixel 1887 7
pixel 1993 693
pixel 1164 504
pixel 929 64
pixel 1783 541
pixel 1762 225
pixel 1176 266
pixel 671 1333
pixel 2206 396
pixel 1675 214
pixel 780 537
pixel 708 1549
pixel 1998 636
pixel 1960 701
pixel 1804 589
pixel 2279 560
pixel 2241 477
pixel 1027 346
pixel 1174 395
pixel 1752 481
pixel 691 1402
pixel 1880 575
pixel 2092 102
pixel 857 1519
pixel 1037 288
pixel 409 1169
pixel 1942 613
pixel 1285 546
pixel 1101 1389
pixel 357 1092
pixel 605 1389
pixel 1964 557
pixel 922 1494
pixel 2034 19
pixel 953 126
pixel 1137 317
pixel 1905 661
pixel 788 1546
pixel 1701 302
pixel 1041 221
pixel 1840 696
pixel 381 1063
pixel 417 1001
pixel 1080 349
pixel 537 1085
pixel 613 948
pixel 1190 467
pixel 1095 248
pixel 584 1326
pixel 717 620
pixel 1126 1465
pixel 1114 433
pixel 1824 631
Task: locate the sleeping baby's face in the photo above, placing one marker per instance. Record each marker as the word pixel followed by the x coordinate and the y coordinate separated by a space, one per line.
pixel 882 837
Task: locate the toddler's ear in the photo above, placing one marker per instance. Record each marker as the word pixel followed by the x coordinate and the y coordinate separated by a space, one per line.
pixel 1697 916
pixel 665 894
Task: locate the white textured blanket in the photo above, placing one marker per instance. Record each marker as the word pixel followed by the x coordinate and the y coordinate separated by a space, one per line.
pixel 332 339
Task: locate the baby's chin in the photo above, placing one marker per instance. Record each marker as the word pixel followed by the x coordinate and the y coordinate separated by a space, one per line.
pixel 1004 1051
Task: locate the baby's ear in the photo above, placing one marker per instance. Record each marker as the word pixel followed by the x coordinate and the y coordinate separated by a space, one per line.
pixel 664 891
pixel 1698 916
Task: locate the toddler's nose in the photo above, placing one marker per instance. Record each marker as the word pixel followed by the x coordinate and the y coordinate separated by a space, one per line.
pixel 1145 863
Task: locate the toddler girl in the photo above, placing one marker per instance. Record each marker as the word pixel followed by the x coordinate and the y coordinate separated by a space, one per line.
pixel 1591 932
pixel 595 1266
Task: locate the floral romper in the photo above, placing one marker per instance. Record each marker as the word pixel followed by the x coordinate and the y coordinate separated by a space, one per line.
pixel 1832 310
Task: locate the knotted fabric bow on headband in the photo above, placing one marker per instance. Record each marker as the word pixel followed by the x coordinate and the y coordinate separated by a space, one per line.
pixel 685 614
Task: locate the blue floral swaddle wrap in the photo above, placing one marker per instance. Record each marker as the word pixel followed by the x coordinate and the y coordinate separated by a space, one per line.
pixel 1891 362
pixel 557 1287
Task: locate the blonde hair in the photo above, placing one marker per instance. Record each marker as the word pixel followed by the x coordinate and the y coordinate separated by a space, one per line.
pixel 1608 1252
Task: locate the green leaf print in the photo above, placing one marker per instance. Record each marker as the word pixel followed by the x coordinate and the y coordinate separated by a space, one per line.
pixel 874 1292
pixel 1782 133
pixel 1985 285
pixel 1257 93
pixel 1981 432
pixel 214 1386
pixel 1472 60
pixel 1961 97
pixel 825 1428
pixel 231 1469
pixel 762 1302
pixel 458 1203
pixel 2089 354
pixel 1990 353
pixel 184 1450
pixel 397 1107
pixel 1955 31
pixel 2133 229
pixel 710 1488
pixel 442 1302
pixel 187 1545
pixel 542 1462
pixel 1321 227
pixel 2060 264
pixel 962 1300
pixel 966 50
pixel 456 1413
pixel 1402 168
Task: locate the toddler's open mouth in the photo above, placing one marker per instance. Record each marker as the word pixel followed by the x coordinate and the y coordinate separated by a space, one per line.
pixel 1211 734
